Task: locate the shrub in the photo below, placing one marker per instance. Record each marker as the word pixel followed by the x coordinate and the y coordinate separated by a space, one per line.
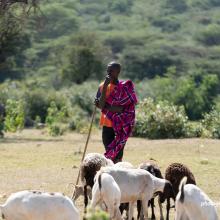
pixel 55 21
pixel 97 215
pixel 78 119
pixel 55 118
pixel 196 93
pixel 211 122
pixel 147 63
pixel 14 115
pixel 37 103
pixel 170 24
pixel 117 43
pixel 179 6
pixel 121 6
pixel 210 36
pixel 1 126
pixel 160 120
pixel 196 129
pixel 57 129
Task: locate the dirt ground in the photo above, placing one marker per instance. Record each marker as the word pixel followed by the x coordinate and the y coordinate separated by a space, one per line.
pixel 33 160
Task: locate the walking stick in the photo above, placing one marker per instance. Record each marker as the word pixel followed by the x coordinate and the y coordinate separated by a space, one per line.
pixel 86 145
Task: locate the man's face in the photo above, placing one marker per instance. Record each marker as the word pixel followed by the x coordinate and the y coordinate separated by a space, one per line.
pixel 113 72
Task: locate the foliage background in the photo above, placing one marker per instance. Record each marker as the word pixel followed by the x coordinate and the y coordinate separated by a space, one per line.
pixel 58 53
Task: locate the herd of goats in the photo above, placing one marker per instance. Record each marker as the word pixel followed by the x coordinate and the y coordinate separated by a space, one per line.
pixel 117 188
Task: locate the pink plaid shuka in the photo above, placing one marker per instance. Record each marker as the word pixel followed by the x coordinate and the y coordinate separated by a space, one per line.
pixel 123 123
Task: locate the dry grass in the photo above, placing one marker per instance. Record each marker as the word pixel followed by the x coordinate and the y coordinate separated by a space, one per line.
pixel 33 160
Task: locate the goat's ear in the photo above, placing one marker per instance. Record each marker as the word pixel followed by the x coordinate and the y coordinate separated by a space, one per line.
pixel 77 186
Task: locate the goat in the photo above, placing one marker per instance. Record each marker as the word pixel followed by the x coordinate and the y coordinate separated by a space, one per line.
pixel 106 190
pixel 154 169
pixel 33 205
pixel 90 165
pixel 137 184
pixel 193 204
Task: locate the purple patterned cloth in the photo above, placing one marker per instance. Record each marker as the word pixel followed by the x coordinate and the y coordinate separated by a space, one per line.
pixel 123 123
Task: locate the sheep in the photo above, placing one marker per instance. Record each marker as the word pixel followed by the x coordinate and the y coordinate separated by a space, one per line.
pixel 193 204
pixel 137 184
pixel 33 205
pixel 174 173
pixel 106 190
pixel 152 167
pixel 90 165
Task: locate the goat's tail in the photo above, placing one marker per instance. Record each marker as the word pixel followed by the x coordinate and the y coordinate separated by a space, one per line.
pixel 100 181
pixel 181 188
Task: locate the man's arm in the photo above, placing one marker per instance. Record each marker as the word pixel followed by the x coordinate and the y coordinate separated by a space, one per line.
pixel 100 102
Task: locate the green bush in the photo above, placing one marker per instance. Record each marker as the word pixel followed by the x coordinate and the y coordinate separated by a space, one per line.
pixel 55 118
pixel 160 120
pixel 78 119
pixel 178 6
pixel 97 215
pixel 167 24
pixel 55 21
pixel 1 126
pixel 147 63
pixel 196 94
pixel 210 36
pixel 211 122
pixel 38 101
pixel 57 129
pixel 121 6
pixel 15 115
pixel 196 129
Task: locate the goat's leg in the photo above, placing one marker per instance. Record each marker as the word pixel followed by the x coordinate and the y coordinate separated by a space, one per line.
pixel 118 214
pixel 139 209
pixel 130 210
pixel 114 212
pixel 152 208
pixel 145 207
pixel 85 198
pixel 161 209
pixel 168 208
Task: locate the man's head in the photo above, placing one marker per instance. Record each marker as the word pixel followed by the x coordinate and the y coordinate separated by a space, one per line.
pixel 113 69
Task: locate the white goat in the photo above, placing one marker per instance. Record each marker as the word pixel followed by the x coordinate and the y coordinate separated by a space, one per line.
pixel 33 205
pixel 79 190
pixel 137 184
pixel 124 164
pixel 106 191
pixel 193 204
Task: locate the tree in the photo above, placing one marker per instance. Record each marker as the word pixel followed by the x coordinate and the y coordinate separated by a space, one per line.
pixel 13 41
pixel 86 59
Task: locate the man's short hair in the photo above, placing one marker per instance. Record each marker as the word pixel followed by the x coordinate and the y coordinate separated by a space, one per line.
pixel 115 65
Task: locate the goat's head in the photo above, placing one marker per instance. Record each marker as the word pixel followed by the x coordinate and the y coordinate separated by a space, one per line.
pixel 78 192
pixel 167 192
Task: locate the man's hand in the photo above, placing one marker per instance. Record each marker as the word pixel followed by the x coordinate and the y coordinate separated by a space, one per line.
pixel 107 80
pixel 96 102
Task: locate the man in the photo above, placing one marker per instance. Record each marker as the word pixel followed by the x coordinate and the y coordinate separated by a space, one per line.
pixel 117 100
